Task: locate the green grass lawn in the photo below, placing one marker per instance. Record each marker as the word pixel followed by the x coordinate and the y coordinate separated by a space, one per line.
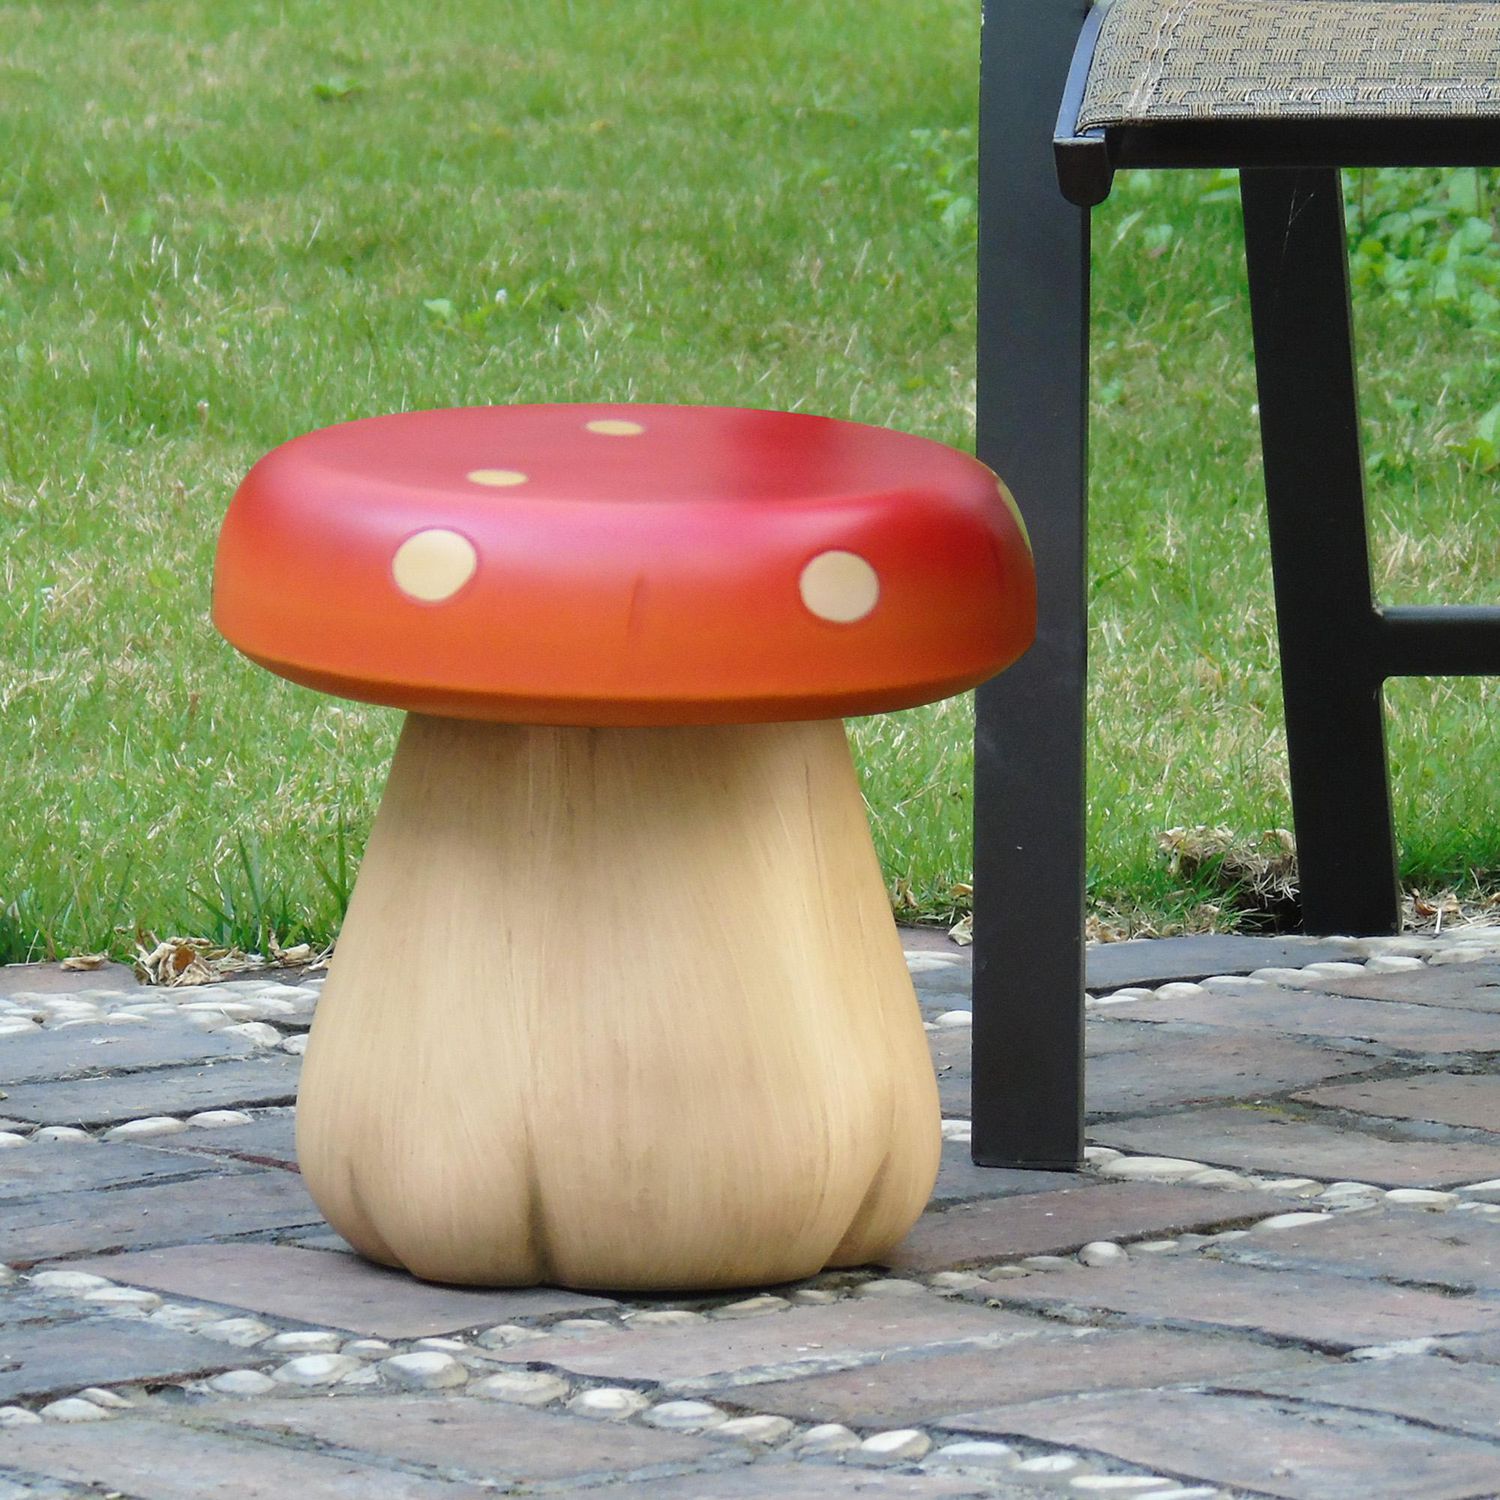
pixel 222 224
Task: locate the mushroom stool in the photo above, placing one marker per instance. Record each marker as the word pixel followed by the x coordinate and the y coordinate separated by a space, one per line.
pixel 619 1001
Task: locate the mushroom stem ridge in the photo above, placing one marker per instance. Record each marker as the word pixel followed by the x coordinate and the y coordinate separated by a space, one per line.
pixel 619 1008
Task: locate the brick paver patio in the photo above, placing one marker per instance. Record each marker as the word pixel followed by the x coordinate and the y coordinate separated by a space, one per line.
pixel 1279 1275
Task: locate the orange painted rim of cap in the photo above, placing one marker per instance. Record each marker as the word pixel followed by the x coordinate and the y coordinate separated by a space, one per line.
pixel 624 564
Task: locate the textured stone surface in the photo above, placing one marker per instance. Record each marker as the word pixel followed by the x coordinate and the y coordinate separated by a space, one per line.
pixel 20 1305
pixel 1038 1223
pixel 609 1403
pixel 960 1181
pixel 315 1370
pixel 682 1416
pixel 524 1387
pixel 1445 1098
pixel 1104 1037
pixel 424 1370
pixel 78 1051
pixel 772 1480
pixel 952 1062
pixel 270 1140
pixel 896 1445
pixel 1154 961
pixel 943 986
pixel 1484 1348
pixel 147 1129
pixel 1253 1319
pixel 53 979
pixel 514 1445
pixel 761 1430
pixel 173 1213
pixel 1125 1086
pixel 333 1290
pixel 1263 1140
pixel 1463 1254
pixel 77 1169
pixel 1261 1445
pixel 162 1091
pixel 242 1383
pixel 1386 1023
pixel 73 1409
pixel 1181 1067
pixel 1423 1388
pixel 721 1354
pixel 139 1457
pixel 928 942
pixel 1331 1311
pixel 43 1359
pixel 916 1389
pixel 1456 986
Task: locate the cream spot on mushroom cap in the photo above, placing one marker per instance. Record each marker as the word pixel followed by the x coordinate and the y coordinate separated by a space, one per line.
pixel 434 565
pixel 839 586
pixel 614 427
pixel 498 479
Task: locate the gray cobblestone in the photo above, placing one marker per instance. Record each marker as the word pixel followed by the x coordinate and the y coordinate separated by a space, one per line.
pixel 1204 1360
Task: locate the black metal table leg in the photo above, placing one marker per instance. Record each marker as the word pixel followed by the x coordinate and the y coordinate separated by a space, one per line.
pixel 1029 852
pixel 1331 666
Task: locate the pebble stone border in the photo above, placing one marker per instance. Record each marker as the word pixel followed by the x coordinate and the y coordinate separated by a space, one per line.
pixel 303 1360
pixel 273 1014
pixel 308 1361
pixel 1381 955
pixel 270 1014
pixel 294 1360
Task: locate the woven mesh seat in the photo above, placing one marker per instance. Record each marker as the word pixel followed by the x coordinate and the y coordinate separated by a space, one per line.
pixel 1173 60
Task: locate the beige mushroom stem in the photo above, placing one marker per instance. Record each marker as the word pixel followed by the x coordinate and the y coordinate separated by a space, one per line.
pixel 619 1008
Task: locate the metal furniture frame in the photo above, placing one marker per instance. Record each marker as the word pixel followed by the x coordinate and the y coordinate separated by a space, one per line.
pixel 1337 644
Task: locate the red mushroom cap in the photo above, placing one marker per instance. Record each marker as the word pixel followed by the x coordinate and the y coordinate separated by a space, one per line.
pixel 624 564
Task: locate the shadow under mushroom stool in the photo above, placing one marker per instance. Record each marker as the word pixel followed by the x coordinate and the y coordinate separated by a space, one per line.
pixel 619 1001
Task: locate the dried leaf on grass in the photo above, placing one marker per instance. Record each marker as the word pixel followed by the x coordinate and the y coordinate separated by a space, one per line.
pixel 186 961
pixel 1440 911
pixel 180 961
pixel 298 953
pixel 903 898
pixel 1255 875
pixel 955 909
pixel 1257 880
pixel 1099 930
pixel 81 962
